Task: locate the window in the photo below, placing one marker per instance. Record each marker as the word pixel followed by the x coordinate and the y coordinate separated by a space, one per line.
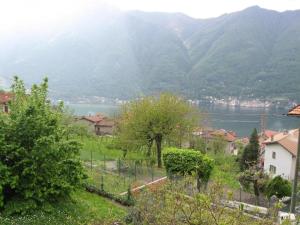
pixel 274 155
pixel 272 169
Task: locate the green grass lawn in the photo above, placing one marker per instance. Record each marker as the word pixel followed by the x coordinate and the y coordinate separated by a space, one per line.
pixel 226 170
pixel 84 209
pixel 105 158
pixel 101 148
pixel 111 183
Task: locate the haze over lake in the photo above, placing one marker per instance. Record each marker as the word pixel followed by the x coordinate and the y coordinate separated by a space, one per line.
pixel 240 120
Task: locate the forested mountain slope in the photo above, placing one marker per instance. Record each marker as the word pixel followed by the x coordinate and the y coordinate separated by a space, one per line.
pixel 111 53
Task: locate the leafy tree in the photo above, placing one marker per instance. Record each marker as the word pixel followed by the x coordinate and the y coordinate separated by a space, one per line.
pixel 155 119
pixel 250 155
pixel 37 162
pixel 278 187
pixel 254 178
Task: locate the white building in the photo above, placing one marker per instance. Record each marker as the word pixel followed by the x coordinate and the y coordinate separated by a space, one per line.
pixel 280 154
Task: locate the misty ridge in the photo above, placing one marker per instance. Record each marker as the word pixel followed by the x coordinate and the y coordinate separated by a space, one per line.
pixel 254 53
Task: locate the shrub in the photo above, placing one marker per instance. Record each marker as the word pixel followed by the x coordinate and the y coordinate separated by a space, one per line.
pixel 38 163
pixel 186 161
pixel 278 187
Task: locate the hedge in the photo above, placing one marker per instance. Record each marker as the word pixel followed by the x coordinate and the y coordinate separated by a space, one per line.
pixel 186 162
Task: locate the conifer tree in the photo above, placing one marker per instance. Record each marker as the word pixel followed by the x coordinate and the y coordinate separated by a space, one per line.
pixel 250 154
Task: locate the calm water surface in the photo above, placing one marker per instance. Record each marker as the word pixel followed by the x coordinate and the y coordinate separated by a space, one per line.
pixel 240 120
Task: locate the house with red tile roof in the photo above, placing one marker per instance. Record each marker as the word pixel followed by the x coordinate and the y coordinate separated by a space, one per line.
pixel 5 97
pixel 280 154
pixel 99 124
pixel 228 136
pixel 295 111
pixel 262 137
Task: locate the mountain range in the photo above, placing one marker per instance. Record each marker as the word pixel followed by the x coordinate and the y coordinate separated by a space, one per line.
pixel 254 53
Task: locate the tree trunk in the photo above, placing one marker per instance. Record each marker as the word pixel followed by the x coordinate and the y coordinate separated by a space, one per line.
pixel 256 192
pixel 149 146
pixel 158 140
pixel 198 182
pixel 180 139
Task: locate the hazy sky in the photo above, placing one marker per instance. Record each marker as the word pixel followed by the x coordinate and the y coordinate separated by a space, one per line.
pixel 30 14
pixel 204 8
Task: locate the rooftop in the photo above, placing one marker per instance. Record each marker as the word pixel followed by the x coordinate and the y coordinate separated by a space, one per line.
pixel 5 97
pixel 294 111
pixel 95 118
pixel 287 139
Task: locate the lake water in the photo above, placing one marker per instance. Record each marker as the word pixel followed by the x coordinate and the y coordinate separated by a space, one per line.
pixel 240 120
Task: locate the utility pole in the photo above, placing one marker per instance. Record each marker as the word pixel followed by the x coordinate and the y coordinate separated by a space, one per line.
pixel 295 182
pixel 263 123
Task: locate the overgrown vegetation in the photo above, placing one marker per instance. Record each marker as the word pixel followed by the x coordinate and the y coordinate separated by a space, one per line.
pixel 81 208
pixel 178 205
pixel 38 164
pixel 115 168
pixel 226 169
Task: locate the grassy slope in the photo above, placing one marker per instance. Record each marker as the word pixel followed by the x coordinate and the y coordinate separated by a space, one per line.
pixel 226 170
pixel 101 147
pixel 85 208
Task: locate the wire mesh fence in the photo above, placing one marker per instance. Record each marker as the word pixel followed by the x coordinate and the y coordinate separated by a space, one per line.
pixel 115 176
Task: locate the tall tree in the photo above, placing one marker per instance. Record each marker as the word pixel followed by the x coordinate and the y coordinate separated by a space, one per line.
pixel 254 178
pixel 250 155
pixel 38 163
pixel 154 119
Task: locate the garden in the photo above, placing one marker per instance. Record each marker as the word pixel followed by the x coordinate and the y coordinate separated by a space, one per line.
pixel 109 168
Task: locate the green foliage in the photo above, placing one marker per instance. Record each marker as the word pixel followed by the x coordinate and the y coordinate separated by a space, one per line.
pixel 104 148
pixel 217 145
pixel 278 187
pixel 174 204
pixel 254 179
pixel 225 170
pixel 82 208
pixel 155 119
pixel 38 163
pixel 198 143
pixel 250 154
pixel 186 162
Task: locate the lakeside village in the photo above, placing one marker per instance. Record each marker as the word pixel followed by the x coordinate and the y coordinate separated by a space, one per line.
pixel 277 154
pixel 226 102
